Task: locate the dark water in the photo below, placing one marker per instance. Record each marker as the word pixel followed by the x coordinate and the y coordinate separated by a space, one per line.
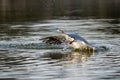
pixel 24 56
pixel 22 10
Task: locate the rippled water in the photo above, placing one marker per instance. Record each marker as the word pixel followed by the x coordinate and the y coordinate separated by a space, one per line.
pixel 24 56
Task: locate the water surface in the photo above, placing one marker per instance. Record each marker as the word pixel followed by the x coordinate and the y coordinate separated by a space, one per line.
pixel 24 56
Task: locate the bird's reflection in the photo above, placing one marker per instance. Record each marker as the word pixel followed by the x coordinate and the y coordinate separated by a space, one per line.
pixel 72 56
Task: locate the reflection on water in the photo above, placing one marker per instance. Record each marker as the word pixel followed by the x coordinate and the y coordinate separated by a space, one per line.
pixel 24 56
pixel 73 56
pixel 24 64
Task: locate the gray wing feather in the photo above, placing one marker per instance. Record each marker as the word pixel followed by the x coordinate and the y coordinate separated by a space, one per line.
pixel 77 37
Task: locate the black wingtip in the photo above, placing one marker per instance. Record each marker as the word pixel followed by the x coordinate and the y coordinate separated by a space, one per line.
pixel 51 40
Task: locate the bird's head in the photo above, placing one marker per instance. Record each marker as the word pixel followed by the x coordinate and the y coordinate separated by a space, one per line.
pixel 68 38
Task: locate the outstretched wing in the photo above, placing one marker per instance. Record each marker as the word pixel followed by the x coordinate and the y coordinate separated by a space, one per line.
pixel 77 37
pixel 54 39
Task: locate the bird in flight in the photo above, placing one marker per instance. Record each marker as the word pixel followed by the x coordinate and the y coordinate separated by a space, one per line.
pixel 71 39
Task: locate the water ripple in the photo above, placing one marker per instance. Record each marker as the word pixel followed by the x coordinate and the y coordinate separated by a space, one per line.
pixel 23 56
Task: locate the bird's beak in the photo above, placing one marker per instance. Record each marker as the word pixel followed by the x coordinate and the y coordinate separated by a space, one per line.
pixel 59 30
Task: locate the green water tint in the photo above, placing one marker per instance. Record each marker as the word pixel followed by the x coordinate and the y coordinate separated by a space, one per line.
pixel 11 10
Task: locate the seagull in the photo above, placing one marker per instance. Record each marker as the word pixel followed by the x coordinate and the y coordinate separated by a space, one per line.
pixel 71 39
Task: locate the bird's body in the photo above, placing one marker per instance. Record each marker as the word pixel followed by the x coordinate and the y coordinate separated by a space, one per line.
pixel 71 39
